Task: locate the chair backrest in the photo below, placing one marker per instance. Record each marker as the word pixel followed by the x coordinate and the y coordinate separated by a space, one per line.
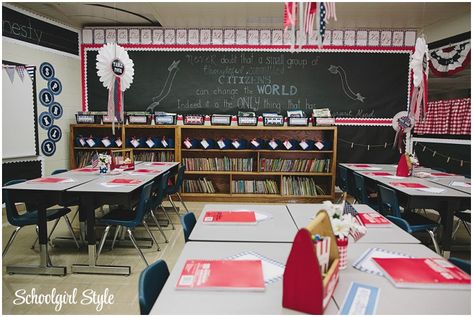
pixel 59 171
pixel 179 180
pixel 388 201
pixel 151 282
pixel 12 212
pixel 403 224
pixel 462 264
pixel 188 222
pixel 143 204
pixel 342 176
pixel 360 190
pixel 158 194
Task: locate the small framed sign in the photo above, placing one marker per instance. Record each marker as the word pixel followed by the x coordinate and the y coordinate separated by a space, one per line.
pixel 220 119
pixel 194 119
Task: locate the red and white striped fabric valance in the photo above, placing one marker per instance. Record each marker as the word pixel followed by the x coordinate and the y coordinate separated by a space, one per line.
pixel 452 116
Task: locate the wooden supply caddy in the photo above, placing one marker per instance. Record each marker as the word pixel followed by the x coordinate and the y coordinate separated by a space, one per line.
pixel 304 287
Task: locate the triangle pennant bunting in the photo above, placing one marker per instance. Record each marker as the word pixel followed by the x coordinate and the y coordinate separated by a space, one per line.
pixel 11 72
pixel 21 72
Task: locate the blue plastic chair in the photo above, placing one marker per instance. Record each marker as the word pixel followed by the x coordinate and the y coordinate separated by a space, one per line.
pixel 342 178
pixel 30 217
pixel 59 171
pixel 158 197
pixel 188 222
pixel 151 282
pixel 411 222
pixel 462 264
pixel 361 194
pixel 128 219
pixel 175 189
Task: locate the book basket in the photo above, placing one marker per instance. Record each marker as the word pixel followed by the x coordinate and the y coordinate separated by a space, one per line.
pixel 122 159
pixel 305 289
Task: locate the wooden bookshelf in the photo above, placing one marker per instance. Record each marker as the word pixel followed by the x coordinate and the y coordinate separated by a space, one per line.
pixel 223 180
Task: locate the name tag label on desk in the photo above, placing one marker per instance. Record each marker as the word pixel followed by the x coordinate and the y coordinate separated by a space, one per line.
pixel 361 299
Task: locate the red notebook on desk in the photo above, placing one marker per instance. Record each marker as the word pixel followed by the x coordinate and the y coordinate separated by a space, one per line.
pixel 230 217
pixel 146 171
pixel 125 181
pixel 48 180
pixel 87 170
pixel 222 275
pixel 407 185
pixel 380 173
pixel 423 273
pixel 374 219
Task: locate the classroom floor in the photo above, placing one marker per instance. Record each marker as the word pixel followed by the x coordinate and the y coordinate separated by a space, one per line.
pixel 124 288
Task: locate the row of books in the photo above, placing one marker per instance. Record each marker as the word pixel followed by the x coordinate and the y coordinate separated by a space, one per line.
pixel 167 156
pixel 301 186
pixel 201 185
pixel 285 165
pixel 83 158
pixel 219 164
pixel 267 186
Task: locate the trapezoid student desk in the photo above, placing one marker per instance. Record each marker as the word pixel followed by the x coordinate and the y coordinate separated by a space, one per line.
pixel 95 194
pixel 402 301
pixel 211 302
pixel 449 182
pixel 43 195
pixel 304 213
pixel 278 227
pixel 445 203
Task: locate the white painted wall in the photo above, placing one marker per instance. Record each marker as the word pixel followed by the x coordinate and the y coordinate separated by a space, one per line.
pixel 448 28
pixel 67 70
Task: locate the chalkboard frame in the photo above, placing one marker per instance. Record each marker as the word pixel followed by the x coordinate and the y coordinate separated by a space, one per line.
pixel 347 120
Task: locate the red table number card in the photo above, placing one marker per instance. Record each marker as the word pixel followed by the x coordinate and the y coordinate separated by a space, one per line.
pixel 50 180
pixel 125 181
pixel 87 170
pixel 230 217
pixel 146 171
pixel 222 275
pixel 435 273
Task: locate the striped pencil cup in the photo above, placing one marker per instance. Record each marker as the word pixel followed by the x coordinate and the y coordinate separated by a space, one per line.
pixel 342 244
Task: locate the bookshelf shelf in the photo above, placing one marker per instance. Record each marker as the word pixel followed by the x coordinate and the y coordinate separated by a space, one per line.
pixel 322 179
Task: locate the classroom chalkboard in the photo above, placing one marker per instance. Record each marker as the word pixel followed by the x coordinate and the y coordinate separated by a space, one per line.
pixel 351 84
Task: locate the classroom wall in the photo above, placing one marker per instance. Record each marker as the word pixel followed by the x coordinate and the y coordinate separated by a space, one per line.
pixel 448 27
pixel 67 70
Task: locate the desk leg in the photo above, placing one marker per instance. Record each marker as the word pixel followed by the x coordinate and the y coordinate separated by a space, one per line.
pixel 87 206
pixel 446 214
pixel 44 268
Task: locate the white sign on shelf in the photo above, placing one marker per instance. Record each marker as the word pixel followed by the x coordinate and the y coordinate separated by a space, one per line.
pixel 87 36
pixel 276 37
pixel 217 37
pixel 337 38
pixel 169 36
pixel 193 36
pixel 158 37
pixel 122 36
pixel 253 37
pixel 361 38
pixel 134 36
pixel 181 36
pixel 373 38
pixel 110 36
pixel 229 37
pixel 99 36
pixel 386 38
pixel 205 37
pixel 265 37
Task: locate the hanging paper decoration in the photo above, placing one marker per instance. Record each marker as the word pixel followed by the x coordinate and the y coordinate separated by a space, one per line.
pixel 331 11
pixel 289 16
pixel 10 72
pixel 21 72
pixel 322 22
pixel 420 72
pixel 451 59
pixel 402 124
pixel 115 71
pixel 309 19
pixel 31 71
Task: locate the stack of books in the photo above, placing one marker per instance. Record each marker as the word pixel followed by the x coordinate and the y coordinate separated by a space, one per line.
pixel 201 185
pixel 83 158
pixel 301 186
pixel 267 186
pixel 150 156
pixel 219 164
pixel 285 165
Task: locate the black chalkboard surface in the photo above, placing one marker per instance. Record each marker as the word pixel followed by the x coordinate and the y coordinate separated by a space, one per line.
pixel 351 84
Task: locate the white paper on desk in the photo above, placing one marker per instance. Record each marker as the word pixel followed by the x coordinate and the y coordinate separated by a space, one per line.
pixel 262 217
pixel 111 185
pixel 272 270
pixel 460 184
pixel 366 264
pixel 372 168
pixel 434 190
pixel 394 177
